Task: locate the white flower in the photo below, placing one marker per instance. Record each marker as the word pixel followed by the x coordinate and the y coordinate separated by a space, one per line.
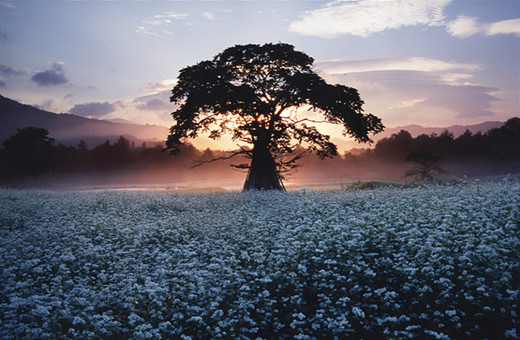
pixel 78 321
pixel 358 312
pixel 229 264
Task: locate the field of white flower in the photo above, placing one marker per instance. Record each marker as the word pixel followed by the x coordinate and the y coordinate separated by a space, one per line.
pixel 427 262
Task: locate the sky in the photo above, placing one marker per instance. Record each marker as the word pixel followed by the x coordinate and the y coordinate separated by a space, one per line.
pixel 429 62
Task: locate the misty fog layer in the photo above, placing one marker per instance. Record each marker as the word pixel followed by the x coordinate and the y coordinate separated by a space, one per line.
pixel 32 158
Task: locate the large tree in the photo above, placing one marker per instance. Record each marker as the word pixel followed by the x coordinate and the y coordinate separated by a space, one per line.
pixel 257 93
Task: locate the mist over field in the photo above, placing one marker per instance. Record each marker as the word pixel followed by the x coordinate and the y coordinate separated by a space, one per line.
pixel 328 174
pixel 178 174
pixel 124 164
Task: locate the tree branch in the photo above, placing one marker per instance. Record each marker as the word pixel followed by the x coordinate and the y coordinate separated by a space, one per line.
pixel 310 120
pixel 196 164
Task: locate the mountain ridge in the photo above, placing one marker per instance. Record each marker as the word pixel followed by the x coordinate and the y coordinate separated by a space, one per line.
pixel 69 129
pixel 457 129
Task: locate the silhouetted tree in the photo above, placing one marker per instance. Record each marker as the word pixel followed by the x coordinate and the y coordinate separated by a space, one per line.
pixel 123 150
pixel 27 153
pixel 65 159
pixel 396 147
pixel 106 156
pixel 252 92
pixel 444 144
pixel 82 156
pixel 505 140
pixel 82 146
pixel 464 145
pixel 426 165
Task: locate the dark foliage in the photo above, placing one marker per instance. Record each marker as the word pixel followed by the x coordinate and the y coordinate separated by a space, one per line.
pixel 27 153
pixel 501 143
pixel 30 157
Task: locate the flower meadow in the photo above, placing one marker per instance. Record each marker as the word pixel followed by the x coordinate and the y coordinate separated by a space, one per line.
pixel 433 262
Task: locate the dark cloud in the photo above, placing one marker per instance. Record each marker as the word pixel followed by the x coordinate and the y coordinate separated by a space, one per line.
pixel 2 83
pixel 9 71
pixel 153 105
pixel 93 109
pixel 427 91
pixel 53 77
pixel 154 102
pixel 467 101
pixel 49 78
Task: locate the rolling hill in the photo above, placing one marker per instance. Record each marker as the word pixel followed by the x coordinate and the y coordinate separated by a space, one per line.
pixel 457 130
pixel 70 129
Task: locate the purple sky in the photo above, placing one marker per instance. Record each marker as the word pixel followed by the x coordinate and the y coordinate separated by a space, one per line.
pixel 427 62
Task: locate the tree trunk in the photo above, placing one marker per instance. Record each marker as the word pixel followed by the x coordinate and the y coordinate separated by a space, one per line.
pixel 263 174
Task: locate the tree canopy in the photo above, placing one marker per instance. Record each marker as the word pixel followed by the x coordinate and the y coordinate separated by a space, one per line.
pixel 27 152
pixel 253 92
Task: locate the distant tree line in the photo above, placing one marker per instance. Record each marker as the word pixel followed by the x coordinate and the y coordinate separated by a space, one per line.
pixel 32 155
pixel 490 153
pixel 501 143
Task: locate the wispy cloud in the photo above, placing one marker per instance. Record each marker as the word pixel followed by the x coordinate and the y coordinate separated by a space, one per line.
pixel 453 78
pixel 389 64
pixel 406 87
pixel 466 101
pixel 152 103
pixel 504 27
pixel 9 71
pixel 156 104
pixel 209 15
pixel 158 99
pixel 366 17
pixel 428 96
pixel 165 85
pixel 155 25
pixel 464 27
pixel 407 103
pixel 7 5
